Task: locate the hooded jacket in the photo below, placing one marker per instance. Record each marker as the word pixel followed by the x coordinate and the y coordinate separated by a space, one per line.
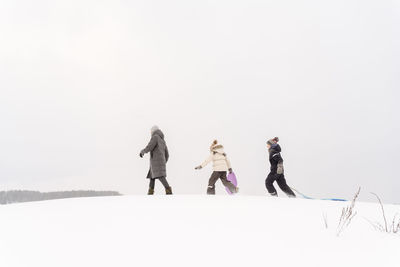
pixel 219 159
pixel 159 155
pixel 275 157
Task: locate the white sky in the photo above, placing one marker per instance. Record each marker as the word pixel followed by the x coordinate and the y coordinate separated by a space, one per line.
pixel 82 82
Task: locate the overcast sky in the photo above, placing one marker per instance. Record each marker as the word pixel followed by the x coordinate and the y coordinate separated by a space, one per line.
pixel 82 82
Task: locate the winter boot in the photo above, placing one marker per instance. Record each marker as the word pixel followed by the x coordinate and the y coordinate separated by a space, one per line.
pixel 211 190
pixel 274 194
pixel 151 191
pixel 168 191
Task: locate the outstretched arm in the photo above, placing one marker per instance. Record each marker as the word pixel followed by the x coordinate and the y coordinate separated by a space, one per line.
pixel 150 147
pixel 205 163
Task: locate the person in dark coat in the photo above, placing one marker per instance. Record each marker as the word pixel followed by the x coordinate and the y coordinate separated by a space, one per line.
pixel 277 171
pixel 158 160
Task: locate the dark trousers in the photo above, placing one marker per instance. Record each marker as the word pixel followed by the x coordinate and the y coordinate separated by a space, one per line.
pixel 214 178
pixel 163 180
pixel 280 179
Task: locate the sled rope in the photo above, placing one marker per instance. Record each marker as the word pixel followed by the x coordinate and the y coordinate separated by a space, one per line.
pixel 307 197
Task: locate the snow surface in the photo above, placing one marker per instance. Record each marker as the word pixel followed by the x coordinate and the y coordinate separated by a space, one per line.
pixel 191 231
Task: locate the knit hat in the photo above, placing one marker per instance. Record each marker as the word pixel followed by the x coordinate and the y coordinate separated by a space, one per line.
pixel 154 128
pixel 273 141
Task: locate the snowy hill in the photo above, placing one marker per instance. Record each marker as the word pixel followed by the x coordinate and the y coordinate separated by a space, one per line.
pixel 192 231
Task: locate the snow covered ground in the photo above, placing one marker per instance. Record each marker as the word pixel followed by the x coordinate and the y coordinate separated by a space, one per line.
pixel 192 231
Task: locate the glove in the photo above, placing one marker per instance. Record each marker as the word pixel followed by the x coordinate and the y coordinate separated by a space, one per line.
pixel 230 170
pixel 198 168
pixel 141 154
pixel 280 168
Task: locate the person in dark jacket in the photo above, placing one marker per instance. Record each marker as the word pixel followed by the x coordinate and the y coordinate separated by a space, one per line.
pixel 158 160
pixel 277 171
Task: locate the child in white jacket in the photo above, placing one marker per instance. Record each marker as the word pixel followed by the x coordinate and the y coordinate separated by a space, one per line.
pixel 221 165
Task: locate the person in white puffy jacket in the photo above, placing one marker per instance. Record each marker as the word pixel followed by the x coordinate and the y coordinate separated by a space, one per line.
pixel 221 165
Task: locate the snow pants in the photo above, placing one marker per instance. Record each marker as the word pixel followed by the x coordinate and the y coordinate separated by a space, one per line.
pixel 163 180
pixel 214 178
pixel 280 179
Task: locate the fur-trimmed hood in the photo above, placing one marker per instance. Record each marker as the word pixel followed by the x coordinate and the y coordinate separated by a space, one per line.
pixel 217 149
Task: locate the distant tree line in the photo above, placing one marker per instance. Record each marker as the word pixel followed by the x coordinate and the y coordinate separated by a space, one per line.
pixel 16 196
